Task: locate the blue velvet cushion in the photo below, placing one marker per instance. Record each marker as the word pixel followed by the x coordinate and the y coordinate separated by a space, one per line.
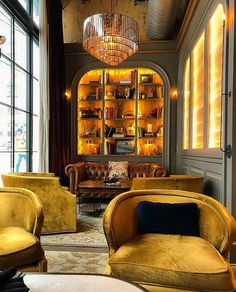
pixel 166 218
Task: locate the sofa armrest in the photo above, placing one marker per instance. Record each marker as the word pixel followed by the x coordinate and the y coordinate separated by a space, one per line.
pixel 157 170
pixel 76 174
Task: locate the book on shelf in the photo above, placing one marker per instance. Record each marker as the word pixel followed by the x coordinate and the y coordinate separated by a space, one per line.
pixel 109 148
pixel 118 135
pixel 125 81
pixel 110 132
pixel 110 113
pixel 148 134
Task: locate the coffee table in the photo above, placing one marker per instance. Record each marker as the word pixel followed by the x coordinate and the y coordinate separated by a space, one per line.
pixel 77 283
pixel 97 189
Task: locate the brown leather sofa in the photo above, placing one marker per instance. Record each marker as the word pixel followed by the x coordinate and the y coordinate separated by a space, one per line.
pixel 82 171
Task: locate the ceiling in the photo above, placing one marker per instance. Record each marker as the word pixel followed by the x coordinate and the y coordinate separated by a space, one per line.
pixel 157 19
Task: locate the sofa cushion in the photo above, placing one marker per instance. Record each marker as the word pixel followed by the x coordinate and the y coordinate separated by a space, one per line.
pixel 18 247
pixel 118 169
pixel 172 260
pixel 178 218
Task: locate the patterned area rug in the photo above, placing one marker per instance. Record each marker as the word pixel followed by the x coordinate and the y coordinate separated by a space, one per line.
pixel 76 262
pixel 90 235
pixel 85 251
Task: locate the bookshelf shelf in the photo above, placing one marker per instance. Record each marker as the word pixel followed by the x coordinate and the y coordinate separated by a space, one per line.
pixel 126 108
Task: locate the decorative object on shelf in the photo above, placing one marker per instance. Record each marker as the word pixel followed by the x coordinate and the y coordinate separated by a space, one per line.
pixel 125 146
pixel 93 148
pixel 120 93
pixel 2 41
pixel 110 94
pixel 91 131
pixel 149 128
pixel 130 131
pixel 110 37
pixel 146 78
pixel 119 133
pixel 149 147
pixel 151 93
pixel 88 113
pixel 127 92
pixel 128 115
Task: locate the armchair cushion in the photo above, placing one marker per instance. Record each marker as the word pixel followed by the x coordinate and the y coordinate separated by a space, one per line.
pixel 18 247
pixel 168 218
pixel 176 261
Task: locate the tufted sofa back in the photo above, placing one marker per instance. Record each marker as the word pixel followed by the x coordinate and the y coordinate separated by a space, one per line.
pixel 95 170
pixel 80 171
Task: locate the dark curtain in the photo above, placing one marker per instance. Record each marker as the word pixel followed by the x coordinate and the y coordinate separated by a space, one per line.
pixel 59 138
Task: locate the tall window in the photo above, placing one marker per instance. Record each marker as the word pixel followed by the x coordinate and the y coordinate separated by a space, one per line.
pixel 186 105
pixel 19 96
pixel 198 93
pixel 215 57
pixel 204 90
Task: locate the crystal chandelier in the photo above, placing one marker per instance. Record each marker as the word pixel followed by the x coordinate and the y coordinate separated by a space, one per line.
pixel 110 37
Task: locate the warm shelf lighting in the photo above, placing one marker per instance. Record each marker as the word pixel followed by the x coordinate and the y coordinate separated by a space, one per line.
pixel 186 105
pixel 111 37
pixel 198 94
pixel 216 31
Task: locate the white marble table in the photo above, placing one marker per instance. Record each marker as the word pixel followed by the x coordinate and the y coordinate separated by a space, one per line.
pixel 77 283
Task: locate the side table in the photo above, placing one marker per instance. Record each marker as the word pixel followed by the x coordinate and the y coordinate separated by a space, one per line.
pixel 97 189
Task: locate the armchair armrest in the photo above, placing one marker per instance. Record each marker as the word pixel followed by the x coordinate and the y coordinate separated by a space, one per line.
pixel 76 174
pixel 216 225
pixel 21 207
pixel 157 170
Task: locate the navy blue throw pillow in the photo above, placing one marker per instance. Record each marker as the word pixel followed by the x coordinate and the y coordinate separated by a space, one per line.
pixel 167 218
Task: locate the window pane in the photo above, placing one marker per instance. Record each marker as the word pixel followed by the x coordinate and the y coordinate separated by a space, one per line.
pixel 36 97
pixel 21 131
pixel 36 11
pixel 5 165
pixel 21 82
pixel 5 129
pixel 198 94
pixel 5 81
pixel 35 167
pixel 36 60
pixel 5 24
pixel 21 47
pixel 21 161
pixel 215 43
pixel 186 105
pixel 35 133
pixel 25 4
pixel 35 158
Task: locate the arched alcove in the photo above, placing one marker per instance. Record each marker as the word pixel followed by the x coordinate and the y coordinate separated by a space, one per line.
pixel 139 68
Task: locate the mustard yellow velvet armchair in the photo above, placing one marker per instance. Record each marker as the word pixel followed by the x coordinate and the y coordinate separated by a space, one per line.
pixel 60 209
pixel 21 220
pixel 167 262
pixel 173 182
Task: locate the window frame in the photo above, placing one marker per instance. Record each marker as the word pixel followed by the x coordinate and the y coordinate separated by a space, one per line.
pixel 19 16
pixel 205 151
